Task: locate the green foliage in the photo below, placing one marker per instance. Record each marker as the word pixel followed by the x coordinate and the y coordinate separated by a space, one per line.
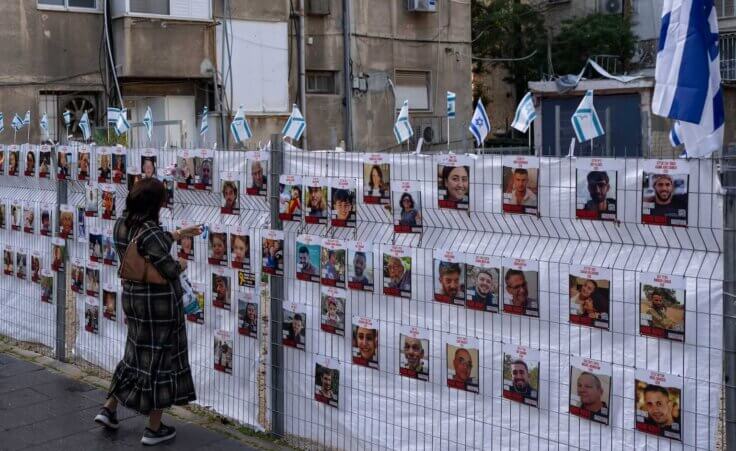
pixel 597 34
pixel 508 29
pixel 108 137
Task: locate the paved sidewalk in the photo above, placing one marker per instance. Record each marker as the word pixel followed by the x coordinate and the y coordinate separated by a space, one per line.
pixel 43 410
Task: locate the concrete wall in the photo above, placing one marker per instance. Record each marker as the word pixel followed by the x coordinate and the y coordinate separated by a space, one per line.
pixel 499 97
pixel 44 51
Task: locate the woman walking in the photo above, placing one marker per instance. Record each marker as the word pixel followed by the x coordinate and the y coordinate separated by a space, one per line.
pixel 154 373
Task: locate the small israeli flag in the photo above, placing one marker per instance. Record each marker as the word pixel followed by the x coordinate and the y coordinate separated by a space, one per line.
pixel 525 113
pixel 675 139
pixel 85 126
pixel 44 123
pixel 480 125
pixel 112 116
pixel 27 118
pixel 585 121
pixel 451 100
pixel 17 122
pixel 148 122
pixel 204 125
pixel 402 128
pixel 295 126
pixel 67 118
pixel 239 127
pixel 2 122
pixel 122 125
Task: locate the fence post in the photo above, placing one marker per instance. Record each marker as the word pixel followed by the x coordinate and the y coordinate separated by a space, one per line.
pixel 728 182
pixel 61 198
pixel 277 294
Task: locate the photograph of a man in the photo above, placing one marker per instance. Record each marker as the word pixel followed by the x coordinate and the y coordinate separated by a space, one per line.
pixel 396 276
pixel 520 288
pixel 294 330
pixel 482 288
pixel 658 409
pixel 413 357
pixel 307 261
pixel 521 375
pixel 589 302
pixel 520 190
pixel 590 393
pixel 361 270
pixel 258 185
pixel 664 199
pixel 596 192
pixel 326 385
pixel 462 368
pixel 662 312
pixel 449 282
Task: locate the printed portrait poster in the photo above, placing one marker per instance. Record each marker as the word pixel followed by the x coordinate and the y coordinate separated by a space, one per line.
pixel 327 381
pixel 449 277
pixel 453 181
pixel 397 267
pixel 30 160
pixel 343 199
pixel 240 255
pixel 247 314
pixel 77 275
pixel 217 245
pixel 16 215
pixel 407 207
pixel 664 196
pixel 230 191
pixel 47 286
pixel 119 164
pixel 223 351
pixel 134 176
pixel 332 310
pixel 520 186
pixel 168 181
pixel 662 306
pixel 590 296
pixel 21 264
pixel 110 301
pixel 195 169
pixel 185 245
pixel 198 318
pixel 8 260
pixel 590 389
pixel 91 200
pixel 521 374
pixel 92 279
pixel 376 179
pixel 91 315
pixel 521 287
pixel 308 254
pixel 365 342
pixel 66 221
pixel 3 215
pixel 332 262
pixel 360 266
pixel 597 181
pixel 2 159
pixel 57 254
pixel 29 217
pixel 186 171
pixel 95 244
pixel 463 363
pixel 35 266
pixel 81 225
pixel 221 286
pixel 294 332
pixel 272 252
pixel 46 217
pixel 13 160
pixel 44 161
pixel 149 163
pixel 257 175
pixel 107 206
pixel 483 275
pixel 104 165
pixel 414 353
pixel 83 163
pixel 315 200
pixel 109 256
pixel 290 198
pixel 64 156
pixel 658 404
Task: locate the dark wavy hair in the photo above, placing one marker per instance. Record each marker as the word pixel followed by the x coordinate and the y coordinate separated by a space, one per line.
pixel 144 202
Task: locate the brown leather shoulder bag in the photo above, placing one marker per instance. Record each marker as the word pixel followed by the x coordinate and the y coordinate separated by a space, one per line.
pixel 136 268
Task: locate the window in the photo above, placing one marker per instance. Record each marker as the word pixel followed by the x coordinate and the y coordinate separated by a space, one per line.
pixel 150 6
pixel 70 4
pixel 725 8
pixel 321 82
pixel 174 9
pixel 414 87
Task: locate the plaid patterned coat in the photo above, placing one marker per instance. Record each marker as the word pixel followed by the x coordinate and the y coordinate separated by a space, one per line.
pixel 154 373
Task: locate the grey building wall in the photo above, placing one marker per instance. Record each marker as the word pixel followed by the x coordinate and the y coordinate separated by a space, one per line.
pixel 44 51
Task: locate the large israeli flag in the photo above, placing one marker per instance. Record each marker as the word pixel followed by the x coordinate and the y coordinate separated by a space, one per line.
pixel 16 123
pixel 295 126
pixel 480 125
pixel 239 127
pixel 44 123
pixel 585 120
pixel 525 113
pixel 204 124
pixel 148 122
pixel 85 126
pixel 687 78
pixel 112 116
pixel 122 125
pixel 67 118
pixel 451 104
pixel 402 128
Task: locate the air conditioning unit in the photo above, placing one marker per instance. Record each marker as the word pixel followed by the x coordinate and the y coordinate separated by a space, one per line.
pixel 611 6
pixel 428 128
pixel 423 6
pixel 318 7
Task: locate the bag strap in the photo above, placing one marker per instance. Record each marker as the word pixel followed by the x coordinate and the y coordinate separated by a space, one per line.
pixel 133 241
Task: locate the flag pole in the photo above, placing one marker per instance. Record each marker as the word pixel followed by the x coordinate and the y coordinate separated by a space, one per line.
pixel 28 138
pixel 448 132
